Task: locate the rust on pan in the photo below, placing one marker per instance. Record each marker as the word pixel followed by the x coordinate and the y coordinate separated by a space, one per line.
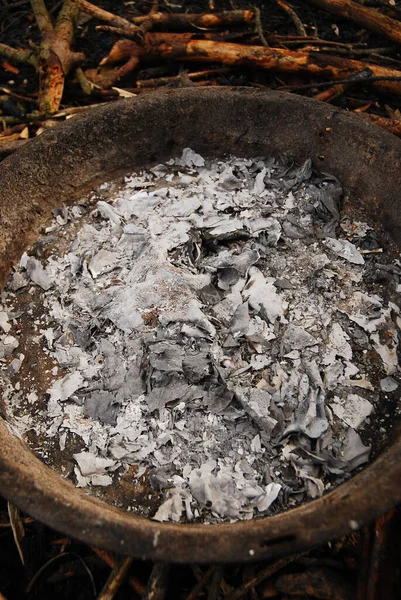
pixel 61 164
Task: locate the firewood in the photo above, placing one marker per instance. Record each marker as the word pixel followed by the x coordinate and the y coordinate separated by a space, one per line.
pixel 185 48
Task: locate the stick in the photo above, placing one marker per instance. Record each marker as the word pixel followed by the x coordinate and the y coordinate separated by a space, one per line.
pixel 115 579
pixel 337 90
pixel 184 21
pixel 42 16
pixel 261 576
pixel 18 54
pixel 157 584
pixel 199 75
pixel 203 581
pixel 114 20
pixel 108 558
pixel 293 15
pixel 367 17
pixel 214 588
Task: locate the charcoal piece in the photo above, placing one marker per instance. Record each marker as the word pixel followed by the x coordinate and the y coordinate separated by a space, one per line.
pixel 103 406
pixel 283 284
pixel 227 277
pixel 210 295
pixel 296 175
pixel 80 333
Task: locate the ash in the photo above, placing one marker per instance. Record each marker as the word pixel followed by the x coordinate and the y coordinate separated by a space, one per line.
pixel 213 324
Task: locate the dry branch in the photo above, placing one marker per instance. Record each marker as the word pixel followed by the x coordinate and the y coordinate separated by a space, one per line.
pixel 184 21
pixel 185 48
pixel 299 26
pixel 53 58
pixel 367 17
pixel 113 20
pixel 115 579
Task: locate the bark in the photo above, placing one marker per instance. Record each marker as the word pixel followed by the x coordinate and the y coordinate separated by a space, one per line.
pixel 186 48
pixel 367 17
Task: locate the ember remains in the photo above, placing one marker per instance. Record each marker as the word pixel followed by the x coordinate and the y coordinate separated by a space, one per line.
pixel 220 333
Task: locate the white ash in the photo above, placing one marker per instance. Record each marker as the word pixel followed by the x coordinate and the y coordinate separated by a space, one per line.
pixel 210 324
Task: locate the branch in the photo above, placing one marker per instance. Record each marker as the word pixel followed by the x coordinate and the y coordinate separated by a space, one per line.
pixel 66 21
pixel 18 54
pixel 113 20
pixel 185 21
pixel 367 17
pixel 185 48
pixel 42 16
pixel 299 26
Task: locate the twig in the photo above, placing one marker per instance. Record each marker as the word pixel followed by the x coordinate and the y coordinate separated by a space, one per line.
pixel 259 28
pixel 57 558
pixel 214 588
pixel 86 86
pixel 194 76
pixel 293 15
pixel 261 576
pixel 18 54
pixel 158 581
pixel 17 526
pixel 115 579
pixel 324 84
pixel 108 558
pixel 339 88
pixel 113 20
pixel 203 581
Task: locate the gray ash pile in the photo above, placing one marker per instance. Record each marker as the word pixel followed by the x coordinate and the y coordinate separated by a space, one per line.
pixel 221 333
